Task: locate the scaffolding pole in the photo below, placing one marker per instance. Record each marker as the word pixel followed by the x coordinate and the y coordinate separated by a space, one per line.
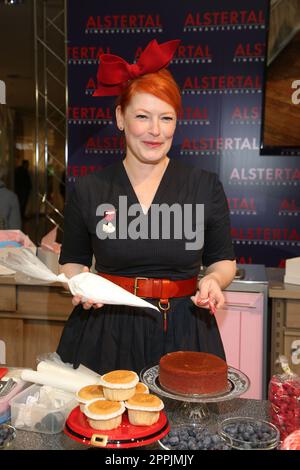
pixel 51 104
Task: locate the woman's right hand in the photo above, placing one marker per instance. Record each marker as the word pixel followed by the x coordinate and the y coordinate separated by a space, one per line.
pixel 77 299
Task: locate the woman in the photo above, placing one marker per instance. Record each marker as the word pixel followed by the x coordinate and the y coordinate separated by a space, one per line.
pixel 141 219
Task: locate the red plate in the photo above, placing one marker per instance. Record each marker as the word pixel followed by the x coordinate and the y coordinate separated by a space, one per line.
pixel 3 371
pixel 126 435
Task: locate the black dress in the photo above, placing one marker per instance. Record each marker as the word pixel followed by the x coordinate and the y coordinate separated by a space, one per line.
pixel 122 337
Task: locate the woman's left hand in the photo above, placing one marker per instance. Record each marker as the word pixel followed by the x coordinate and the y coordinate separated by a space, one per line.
pixel 209 294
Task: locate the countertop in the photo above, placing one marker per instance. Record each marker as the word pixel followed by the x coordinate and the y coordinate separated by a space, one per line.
pixel 280 289
pixel 26 440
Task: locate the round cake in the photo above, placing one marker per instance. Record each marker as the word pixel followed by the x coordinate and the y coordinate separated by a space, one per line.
pixel 189 372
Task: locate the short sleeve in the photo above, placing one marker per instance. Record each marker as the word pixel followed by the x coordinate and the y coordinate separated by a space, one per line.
pixel 76 246
pixel 217 238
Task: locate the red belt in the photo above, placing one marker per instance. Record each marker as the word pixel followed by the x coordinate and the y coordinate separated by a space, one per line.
pixel 154 288
pixel 162 289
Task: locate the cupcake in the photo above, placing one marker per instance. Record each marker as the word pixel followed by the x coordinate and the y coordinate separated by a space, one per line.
pixel 143 409
pixel 119 385
pixel 104 414
pixel 88 393
pixel 141 388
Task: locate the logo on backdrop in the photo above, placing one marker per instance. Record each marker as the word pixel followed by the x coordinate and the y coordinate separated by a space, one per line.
pixel 242 206
pixel 208 85
pixel 73 171
pixel 265 176
pixel 108 145
pixel 125 23
pixel 222 84
pixel 266 236
pixel 289 207
pixel 188 54
pixel 227 20
pixel 86 54
pixel 249 52
pixel 89 115
pixel 216 145
pixel 194 115
pixel 246 115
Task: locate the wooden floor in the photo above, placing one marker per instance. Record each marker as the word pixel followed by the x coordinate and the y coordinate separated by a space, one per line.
pixel 282 117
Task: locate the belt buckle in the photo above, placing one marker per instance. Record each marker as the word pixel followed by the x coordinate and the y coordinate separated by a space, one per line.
pixel 136 280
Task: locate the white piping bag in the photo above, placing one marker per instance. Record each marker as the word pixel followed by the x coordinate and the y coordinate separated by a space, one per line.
pixel 88 285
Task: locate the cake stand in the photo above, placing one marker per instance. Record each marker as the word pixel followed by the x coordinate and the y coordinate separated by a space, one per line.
pixel 194 408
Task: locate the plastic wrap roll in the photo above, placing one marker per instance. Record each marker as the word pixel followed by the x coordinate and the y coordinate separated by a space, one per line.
pixel 64 382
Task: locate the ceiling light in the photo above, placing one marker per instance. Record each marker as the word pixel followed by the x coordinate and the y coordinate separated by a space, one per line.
pixel 11 2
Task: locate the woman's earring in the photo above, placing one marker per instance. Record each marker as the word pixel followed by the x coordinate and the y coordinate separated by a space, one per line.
pixel 121 128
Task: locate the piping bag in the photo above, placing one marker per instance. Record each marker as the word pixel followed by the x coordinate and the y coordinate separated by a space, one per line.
pixel 88 285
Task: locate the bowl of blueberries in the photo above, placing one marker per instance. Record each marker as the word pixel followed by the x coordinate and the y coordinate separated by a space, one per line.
pixel 249 434
pixel 192 437
pixel 7 435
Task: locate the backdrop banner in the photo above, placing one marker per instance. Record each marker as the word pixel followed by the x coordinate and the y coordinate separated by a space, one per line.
pixel 219 66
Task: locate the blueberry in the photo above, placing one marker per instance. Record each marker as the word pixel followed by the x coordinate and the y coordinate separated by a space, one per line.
pixel 249 429
pixel 259 426
pixel 199 436
pixel 193 446
pixel 173 432
pixel 215 439
pixel 246 446
pixel 241 428
pixel 173 441
pixel 200 445
pixel 182 446
pixel 224 447
pixel 231 430
pixel 207 441
pixel 265 436
pixel 184 435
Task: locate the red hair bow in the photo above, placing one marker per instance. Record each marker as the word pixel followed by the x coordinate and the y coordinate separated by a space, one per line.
pixel 114 72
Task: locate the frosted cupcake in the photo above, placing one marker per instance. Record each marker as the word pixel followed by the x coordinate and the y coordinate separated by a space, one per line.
pixel 88 393
pixel 119 384
pixel 143 409
pixel 141 388
pixel 104 414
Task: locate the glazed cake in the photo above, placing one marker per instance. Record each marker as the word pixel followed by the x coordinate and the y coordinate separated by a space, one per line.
pixel 189 372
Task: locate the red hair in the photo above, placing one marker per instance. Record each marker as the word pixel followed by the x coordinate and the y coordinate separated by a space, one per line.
pixel 160 84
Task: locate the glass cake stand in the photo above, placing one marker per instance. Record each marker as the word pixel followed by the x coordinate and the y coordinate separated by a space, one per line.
pixel 194 408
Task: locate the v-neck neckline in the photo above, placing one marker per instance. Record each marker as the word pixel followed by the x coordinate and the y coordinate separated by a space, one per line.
pixel 159 191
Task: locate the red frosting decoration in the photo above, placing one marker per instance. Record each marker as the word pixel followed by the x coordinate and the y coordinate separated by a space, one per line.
pixel 189 372
pixel 114 72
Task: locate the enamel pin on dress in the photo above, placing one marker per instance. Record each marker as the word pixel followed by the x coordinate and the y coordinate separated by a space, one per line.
pixel 109 216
